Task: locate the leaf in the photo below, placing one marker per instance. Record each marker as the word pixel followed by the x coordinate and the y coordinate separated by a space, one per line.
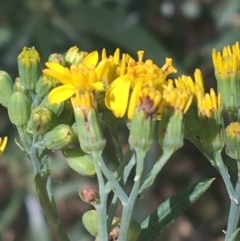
pixel 234 235
pixel 168 211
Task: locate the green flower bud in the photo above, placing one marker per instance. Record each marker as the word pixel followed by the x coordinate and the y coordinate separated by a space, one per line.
pixel 74 56
pixel 90 222
pixel 19 109
pixel 55 108
pixel 44 85
pixel 18 87
pixel 79 161
pixel 58 138
pixel 41 120
pixel 57 58
pixel 6 88
pixel 29 67
pixel 134 231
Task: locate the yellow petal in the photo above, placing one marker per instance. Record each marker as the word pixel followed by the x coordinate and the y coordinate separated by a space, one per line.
pixel 133 100
pixel 3 144
pixel 98 86
pixel 101 69
pixel 61 93
pixel 91 59
pixel 117 99
pixel 63 78
pixel 55 66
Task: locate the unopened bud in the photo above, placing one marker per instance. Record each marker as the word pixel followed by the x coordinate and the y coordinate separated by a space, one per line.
pixel 19 109
pixel 74 56
pixel 90 222
pixel 40 121
pixel 89 195
pixel 79 161
pixel 6 88
pixel 58 138
pixel 29 67
pixel 57 58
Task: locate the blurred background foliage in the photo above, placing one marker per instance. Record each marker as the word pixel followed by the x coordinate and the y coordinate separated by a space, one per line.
pixel 185 30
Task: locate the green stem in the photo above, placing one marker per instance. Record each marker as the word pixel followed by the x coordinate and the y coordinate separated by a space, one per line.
pixel 224 173
pixel 234 212
pixel 114 203
pixel 101 208
pixel 50 205
pixel 156 169
pixel 110 177
pixel 129 206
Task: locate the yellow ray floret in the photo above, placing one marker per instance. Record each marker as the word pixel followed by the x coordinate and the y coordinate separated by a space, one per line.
pixel 3 144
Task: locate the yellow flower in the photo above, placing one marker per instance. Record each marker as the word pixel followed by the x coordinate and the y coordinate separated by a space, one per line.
pixel 186 83
pixel 145 98
pixel 227 63
pixel 209 104
pixel 3 144
pixel 138 74
pixel 116 66
pixel 76 79
pixel 178 99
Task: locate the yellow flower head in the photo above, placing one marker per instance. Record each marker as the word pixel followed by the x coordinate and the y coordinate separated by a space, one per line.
pixel 178 99
pixel 146 73
pixel 3 144
pixel 233 130
pixel 186 83
pixel 227 63
pixel 146 99
pixel 76 79
pixel 209 104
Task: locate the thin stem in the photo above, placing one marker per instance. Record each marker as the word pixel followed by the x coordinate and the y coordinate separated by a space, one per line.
pixel 110 177
pixel 101 208
pixel 156 169
pixel 224 173
pixel 129 206
pixel 234 212
pixel 38 163
pixel 113 132
pixel 123 163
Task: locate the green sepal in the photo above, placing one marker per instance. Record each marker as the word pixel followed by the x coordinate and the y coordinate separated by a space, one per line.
pixel 142 131
pixel 171 130
pixel 89 131
pixel 168 211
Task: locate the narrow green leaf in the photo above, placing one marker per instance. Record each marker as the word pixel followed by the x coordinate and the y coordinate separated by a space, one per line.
pixel 234 235
pixel 168 211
